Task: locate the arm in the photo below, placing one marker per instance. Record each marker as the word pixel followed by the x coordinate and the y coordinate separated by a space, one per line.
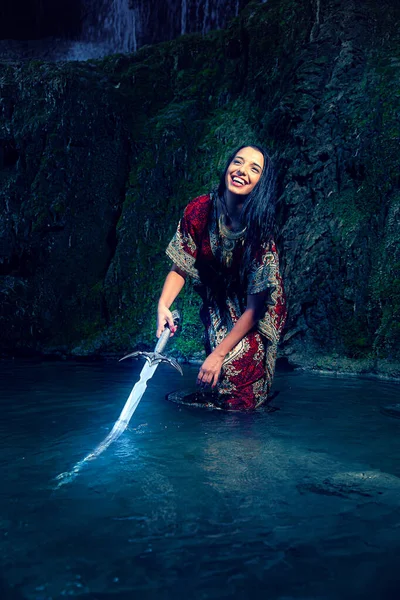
pixel 211 368
pixel 173 284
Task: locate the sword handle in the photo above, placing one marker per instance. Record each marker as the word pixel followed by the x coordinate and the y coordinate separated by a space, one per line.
pixel 163 339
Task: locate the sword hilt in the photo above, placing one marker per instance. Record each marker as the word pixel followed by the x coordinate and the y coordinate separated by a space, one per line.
pixel 163 339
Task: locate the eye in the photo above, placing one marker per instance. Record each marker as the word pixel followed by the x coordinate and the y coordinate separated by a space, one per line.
pixel 256 170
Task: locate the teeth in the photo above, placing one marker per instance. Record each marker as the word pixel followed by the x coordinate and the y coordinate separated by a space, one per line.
pixel 237 180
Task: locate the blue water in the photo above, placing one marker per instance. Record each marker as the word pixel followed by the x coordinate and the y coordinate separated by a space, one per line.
pixel 301 503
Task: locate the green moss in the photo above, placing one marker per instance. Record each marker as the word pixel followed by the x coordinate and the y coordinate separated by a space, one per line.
pixel 189 342
pixel 386 292
pixel 355 335
pixel 345 208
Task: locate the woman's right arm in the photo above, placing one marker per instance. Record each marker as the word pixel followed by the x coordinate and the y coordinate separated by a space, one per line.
pixel 174 282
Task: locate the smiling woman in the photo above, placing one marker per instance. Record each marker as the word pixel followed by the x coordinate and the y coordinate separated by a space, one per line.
pixel 224 241
pixel 244 171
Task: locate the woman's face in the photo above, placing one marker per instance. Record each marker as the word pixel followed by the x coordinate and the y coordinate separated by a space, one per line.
pixel 244 171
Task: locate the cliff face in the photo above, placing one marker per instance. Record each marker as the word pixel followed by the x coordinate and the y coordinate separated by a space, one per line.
pixel 98 159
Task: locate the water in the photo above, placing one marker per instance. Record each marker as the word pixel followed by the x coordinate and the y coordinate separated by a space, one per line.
pixel 124 26
pixel 111 24
pixel 299 503
pixel 152 360
pixel 119 426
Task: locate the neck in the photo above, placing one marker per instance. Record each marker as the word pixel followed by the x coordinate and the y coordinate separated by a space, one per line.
pixel 231 207
pixel 234 204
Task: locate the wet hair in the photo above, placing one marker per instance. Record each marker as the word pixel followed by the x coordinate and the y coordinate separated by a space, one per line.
pixel 258 213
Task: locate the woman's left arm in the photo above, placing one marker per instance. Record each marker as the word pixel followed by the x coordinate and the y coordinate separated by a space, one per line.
pixel 211 367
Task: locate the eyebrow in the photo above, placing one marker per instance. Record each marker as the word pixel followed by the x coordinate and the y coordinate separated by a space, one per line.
pixel 253 163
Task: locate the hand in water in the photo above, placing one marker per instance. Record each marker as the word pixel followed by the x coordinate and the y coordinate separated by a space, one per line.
pixel 164 317
pixel 210 370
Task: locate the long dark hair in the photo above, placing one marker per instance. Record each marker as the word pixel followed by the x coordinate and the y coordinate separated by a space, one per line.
pixel 258 213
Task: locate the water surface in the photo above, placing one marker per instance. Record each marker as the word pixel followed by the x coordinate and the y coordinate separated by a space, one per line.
pixel 300 503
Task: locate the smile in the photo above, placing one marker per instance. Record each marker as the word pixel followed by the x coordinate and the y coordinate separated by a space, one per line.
pixel 238 181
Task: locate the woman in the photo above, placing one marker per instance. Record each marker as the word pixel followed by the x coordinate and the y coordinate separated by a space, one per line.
pixel 224 242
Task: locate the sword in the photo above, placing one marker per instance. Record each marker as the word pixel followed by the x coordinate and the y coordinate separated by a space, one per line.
pixel 153 359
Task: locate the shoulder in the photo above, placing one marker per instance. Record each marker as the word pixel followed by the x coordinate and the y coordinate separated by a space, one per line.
pixel 198 209
pixel 201 203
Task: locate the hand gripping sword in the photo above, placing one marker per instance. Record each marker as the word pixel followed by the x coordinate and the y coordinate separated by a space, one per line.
pixel 153 359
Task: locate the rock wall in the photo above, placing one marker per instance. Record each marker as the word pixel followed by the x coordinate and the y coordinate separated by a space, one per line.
pixel 98 159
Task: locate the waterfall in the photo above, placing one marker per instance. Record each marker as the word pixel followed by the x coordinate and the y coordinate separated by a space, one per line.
pixel 205 16
pixel 183 17
pixel 113 26
pixel 120 26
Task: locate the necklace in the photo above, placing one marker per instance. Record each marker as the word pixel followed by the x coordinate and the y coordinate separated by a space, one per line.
pixel 228 238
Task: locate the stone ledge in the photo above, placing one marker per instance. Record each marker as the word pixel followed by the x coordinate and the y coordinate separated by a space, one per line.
pixel 369 367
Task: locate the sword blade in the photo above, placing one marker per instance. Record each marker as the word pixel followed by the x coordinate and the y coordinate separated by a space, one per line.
pixel 134 397
pixel 119 427
pixel 130 405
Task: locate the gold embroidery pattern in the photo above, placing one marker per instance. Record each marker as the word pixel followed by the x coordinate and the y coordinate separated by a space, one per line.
pixel 258 390
pixel 263 276
pixel 226 386
pixel 181 258
pixel 267 327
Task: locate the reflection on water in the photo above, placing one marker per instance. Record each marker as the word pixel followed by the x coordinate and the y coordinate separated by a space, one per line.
pixel 302 502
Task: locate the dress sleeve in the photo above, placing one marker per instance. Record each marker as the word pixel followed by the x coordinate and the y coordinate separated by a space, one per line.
pixel 264 272
pixel 264 275
pixel 183 248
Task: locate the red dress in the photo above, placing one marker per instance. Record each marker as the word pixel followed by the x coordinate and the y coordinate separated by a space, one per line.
pixel 196 248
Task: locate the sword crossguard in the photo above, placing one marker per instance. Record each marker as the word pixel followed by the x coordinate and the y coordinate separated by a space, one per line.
pixel 154 358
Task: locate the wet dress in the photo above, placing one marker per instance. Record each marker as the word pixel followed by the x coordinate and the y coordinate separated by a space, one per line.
pixel 199 249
